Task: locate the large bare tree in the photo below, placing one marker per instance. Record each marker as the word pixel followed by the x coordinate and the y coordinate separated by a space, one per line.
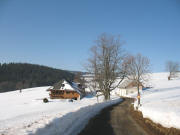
pixel 173 68
pixel 137 67
pixel 105 63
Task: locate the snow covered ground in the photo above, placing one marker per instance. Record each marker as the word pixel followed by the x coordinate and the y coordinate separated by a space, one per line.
pixel 161 103
pixel 25 113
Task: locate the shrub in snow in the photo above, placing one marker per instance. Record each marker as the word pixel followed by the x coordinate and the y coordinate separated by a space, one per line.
pixel 45 100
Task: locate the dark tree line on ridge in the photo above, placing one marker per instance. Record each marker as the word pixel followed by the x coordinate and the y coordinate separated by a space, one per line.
pixel 15 76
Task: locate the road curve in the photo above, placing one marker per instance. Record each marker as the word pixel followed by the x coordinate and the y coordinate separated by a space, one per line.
pixel 114 120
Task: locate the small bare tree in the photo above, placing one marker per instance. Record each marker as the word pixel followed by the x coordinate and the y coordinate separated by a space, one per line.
pixel 137 67
pixel 105 64
pixel 19 86
pixel 173 68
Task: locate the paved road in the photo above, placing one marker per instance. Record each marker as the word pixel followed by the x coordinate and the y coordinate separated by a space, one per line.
pixel 114 120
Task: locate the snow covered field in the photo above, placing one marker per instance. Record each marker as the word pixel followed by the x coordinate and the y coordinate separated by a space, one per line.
pixel 25 113
pixel 162 102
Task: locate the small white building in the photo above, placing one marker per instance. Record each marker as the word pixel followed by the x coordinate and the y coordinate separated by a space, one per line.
pixel 128 87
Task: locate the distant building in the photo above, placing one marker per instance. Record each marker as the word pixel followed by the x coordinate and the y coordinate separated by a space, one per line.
pixel 128 87
pixel 65 90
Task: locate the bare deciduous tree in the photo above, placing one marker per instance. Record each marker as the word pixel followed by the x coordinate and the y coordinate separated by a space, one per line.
pixel 137 67
pixel 173 68
pixel 19 86
pixel 105 64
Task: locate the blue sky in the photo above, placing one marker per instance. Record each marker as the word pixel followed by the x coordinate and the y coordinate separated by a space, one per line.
pixel 59 33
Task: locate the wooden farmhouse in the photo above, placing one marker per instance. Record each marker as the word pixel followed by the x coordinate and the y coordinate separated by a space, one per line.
pixel 128 87
pixel 65 90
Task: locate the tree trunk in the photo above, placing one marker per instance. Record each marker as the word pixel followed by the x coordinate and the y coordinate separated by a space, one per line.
pixel 107 95
pixel 138 95
pixel 97 99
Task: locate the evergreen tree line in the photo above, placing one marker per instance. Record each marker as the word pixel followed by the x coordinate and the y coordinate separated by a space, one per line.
pixel 15 76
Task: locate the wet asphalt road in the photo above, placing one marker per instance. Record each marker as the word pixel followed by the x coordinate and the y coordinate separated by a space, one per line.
pixel 114 120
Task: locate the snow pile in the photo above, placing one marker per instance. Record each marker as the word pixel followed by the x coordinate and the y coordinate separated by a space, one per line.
pixel 24 113
pixel 74 122
pixel 162 102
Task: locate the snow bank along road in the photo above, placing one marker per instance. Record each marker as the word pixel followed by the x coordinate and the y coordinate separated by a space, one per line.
pixel 25 113
pixel 161 103
pixel 73 122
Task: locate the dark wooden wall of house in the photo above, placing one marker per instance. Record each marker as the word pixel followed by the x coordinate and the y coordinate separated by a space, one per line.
pixel 64 94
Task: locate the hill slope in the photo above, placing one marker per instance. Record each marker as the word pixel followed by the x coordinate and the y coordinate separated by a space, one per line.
pixel 22 75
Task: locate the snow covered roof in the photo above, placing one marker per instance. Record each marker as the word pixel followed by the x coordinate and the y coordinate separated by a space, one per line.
pixel 58 85
pixel 126 83
pixel 65 85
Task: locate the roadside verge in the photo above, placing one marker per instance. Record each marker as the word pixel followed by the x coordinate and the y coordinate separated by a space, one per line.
pixel 152 127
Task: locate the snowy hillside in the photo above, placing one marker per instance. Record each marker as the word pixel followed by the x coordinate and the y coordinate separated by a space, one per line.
pixel 162 102
pixel 25 113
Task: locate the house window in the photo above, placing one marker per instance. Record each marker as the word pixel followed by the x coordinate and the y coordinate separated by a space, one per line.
pixel 68 92
pixel 53 92
pixel 57 92
pixel 61 92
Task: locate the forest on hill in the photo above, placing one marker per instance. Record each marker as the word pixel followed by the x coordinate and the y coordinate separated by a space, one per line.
pixel 15 76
